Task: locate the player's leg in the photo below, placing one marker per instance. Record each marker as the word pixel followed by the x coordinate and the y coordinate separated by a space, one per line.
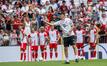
pixel 66 54
pixel 55 49
pixel 21 52
pixel 24 45
pixel 93 50
pixel 21 55
pixel 73 44
pixel 66 45
pixel 36 52
pixel 82 51
pixel 75 52
pixel 32 52
pixel 41 48
pixel 79 49
pixel 51 49
pixel 45 53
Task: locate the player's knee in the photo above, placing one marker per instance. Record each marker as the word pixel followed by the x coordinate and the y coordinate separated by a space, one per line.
pixel 55 49
pixel 66 48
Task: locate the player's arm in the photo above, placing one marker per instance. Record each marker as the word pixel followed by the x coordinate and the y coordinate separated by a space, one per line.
pixel 84 33
pixel 97 36
pixel 29 39
pixel 38 39
pixel 52 23
pixel 49 23
pixel 106 32
pixel 46 38
pixel 58 36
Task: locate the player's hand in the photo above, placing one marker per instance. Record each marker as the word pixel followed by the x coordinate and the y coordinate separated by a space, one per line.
pixel 45 46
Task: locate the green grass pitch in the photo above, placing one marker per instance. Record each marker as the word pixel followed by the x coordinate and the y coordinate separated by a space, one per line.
pixel 58 63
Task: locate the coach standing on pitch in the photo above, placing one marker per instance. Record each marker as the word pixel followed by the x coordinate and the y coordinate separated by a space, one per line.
pixel 68 35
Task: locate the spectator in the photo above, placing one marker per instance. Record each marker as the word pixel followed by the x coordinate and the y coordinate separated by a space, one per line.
pixel 63 7
pixel 1 37
pixel 50 13
pixel 25 7
pixel 13 38
pixel 5 39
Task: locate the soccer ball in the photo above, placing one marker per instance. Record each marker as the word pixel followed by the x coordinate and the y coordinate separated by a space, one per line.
pixel 40 59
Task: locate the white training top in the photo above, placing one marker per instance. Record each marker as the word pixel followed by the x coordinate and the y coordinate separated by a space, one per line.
pixel 66 26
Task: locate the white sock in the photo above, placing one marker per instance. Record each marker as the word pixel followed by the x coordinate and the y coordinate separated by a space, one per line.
pixel 67 60
pixel 76 56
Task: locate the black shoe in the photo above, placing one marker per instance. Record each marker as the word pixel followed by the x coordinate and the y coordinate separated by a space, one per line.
pixel 76 60
pixel 67 62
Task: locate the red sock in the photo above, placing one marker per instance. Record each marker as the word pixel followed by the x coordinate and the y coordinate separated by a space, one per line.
pixel 36 55
pixel 45 54
pixel 78 52
pixel 21 56
pixel 42 55
pixel 51 54
pixel 56 54
pixel 33 55
pixel 24 56
pixel 94 53
pixel 83 54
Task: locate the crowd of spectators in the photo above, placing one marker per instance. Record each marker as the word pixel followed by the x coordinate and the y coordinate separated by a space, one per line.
pixel 82 12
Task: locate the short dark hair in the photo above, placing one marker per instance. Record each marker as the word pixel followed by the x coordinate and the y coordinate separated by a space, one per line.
pixel 63 1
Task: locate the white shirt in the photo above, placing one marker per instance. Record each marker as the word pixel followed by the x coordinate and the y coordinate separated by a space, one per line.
pixel 13 39
pixel 42 38
pixel 77 2
pixel 3 7
pixel 92 35
pixel 54 6
pixel 24 39
pixel 42 11
pixel 47 7
pixel 104 21
pixel 25 8
pixel 105 3
pixel 68 3
pixel 34 38
pixel 53 36
pixel 43 2
pixel 6 37
pixel 79 35
pixel 66 26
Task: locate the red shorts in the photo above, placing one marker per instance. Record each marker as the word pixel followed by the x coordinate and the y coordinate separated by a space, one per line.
pixel 52 45
pixel 23 46
pixel 79 45
pixel 92 45
pixel 34 48
pixel 89 1
pixel 42 47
